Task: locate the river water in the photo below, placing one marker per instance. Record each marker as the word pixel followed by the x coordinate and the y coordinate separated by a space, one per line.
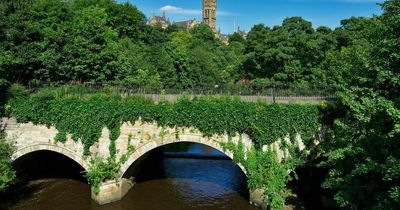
pixel 184 176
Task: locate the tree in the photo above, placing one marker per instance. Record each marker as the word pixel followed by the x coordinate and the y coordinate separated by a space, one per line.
pixel 297 25
pixel 19 36
pixel 86 54
pixel 204 68
pixel 351 30
pixel 132 63
pixel 256 43
pixel 234 59
pixel 164 65
pixel 126 20
pixel 236 37
pixel 204 34
pixel 363 159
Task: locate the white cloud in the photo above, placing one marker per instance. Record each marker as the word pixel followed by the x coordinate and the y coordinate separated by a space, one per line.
pixel 222 13
pixel 178 10
pixel 169 8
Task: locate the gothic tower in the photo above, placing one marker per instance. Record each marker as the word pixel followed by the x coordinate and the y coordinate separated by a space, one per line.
pixel 210 13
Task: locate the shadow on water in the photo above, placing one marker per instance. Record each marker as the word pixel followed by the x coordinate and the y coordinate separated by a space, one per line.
pixel 308 188
pixel 34 171
pixel 47 165
pixel 192 162
pixel 186 176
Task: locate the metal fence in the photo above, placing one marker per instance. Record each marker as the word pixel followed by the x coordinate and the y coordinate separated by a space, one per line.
pixel 247 92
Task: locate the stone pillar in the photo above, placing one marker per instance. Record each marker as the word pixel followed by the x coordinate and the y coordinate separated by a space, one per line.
pixel 112 191
pixel 257 198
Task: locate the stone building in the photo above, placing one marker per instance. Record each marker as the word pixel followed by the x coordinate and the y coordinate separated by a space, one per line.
pixel 162 20
pixel 241 32
pixel 210 13
pixel 187 23
pixel 209 18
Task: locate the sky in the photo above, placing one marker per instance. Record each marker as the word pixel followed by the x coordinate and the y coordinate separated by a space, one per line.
pixel 246 13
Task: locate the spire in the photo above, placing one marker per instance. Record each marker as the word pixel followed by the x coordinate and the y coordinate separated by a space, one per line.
pixel 234 24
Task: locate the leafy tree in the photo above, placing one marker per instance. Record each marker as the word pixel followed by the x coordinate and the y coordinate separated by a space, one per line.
pixel 255 45
pixel 293 53
pixel 204 68
pixel 86 54
pixel 297 25
pixel 203 32
pixel 234 59
pixel 164 65
pixel 363 158
pixel 126 20
pixel 180 62
pixel 18 46
pixel 155 35
pixel 236 37
pixel 351 30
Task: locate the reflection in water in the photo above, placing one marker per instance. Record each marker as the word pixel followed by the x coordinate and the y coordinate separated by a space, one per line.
pixel 166 183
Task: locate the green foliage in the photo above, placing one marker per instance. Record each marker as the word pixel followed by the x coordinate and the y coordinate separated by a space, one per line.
pixel 265 171
pixel 203 33
pixel 101 40
pixel 17 91
pixel 102 170
pixel 7 175
pixel 236 37
pixel 363 158
pixel 291 53
pixel 58 41
pixel 364 153
pixel 263 122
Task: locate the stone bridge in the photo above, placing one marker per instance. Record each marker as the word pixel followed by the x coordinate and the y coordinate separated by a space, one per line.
pixel 143 137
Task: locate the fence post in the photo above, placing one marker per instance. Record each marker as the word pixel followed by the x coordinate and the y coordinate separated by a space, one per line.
pixel 273 94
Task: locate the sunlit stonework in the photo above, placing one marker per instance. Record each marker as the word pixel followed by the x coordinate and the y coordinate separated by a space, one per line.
pixel 210 13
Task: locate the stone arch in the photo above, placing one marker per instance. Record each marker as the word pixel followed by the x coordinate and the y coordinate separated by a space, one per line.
pixel 193 138
pixel 53 148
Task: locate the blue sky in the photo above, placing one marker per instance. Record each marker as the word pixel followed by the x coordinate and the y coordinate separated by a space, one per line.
pixel 246 13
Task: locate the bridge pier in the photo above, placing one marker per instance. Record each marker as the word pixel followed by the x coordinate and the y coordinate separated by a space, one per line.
pixel 111 191
pixel 257 198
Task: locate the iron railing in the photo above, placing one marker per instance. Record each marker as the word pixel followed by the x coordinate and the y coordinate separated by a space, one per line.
pixel 248 92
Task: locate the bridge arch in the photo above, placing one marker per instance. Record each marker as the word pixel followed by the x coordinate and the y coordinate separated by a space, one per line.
pixel 160 142
pixel 53 148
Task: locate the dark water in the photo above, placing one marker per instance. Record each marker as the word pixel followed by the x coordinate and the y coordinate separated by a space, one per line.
pixel 180 176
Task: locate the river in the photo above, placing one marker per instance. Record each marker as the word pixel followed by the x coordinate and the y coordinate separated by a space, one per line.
pixel 181 176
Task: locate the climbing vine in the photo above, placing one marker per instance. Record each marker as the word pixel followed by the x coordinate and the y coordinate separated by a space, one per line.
pixel 102 170
pixel 264 170
pixel 85 116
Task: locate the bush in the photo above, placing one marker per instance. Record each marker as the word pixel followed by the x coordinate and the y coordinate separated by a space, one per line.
pixel 17 91
pixel 102 170
pixel 7 175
